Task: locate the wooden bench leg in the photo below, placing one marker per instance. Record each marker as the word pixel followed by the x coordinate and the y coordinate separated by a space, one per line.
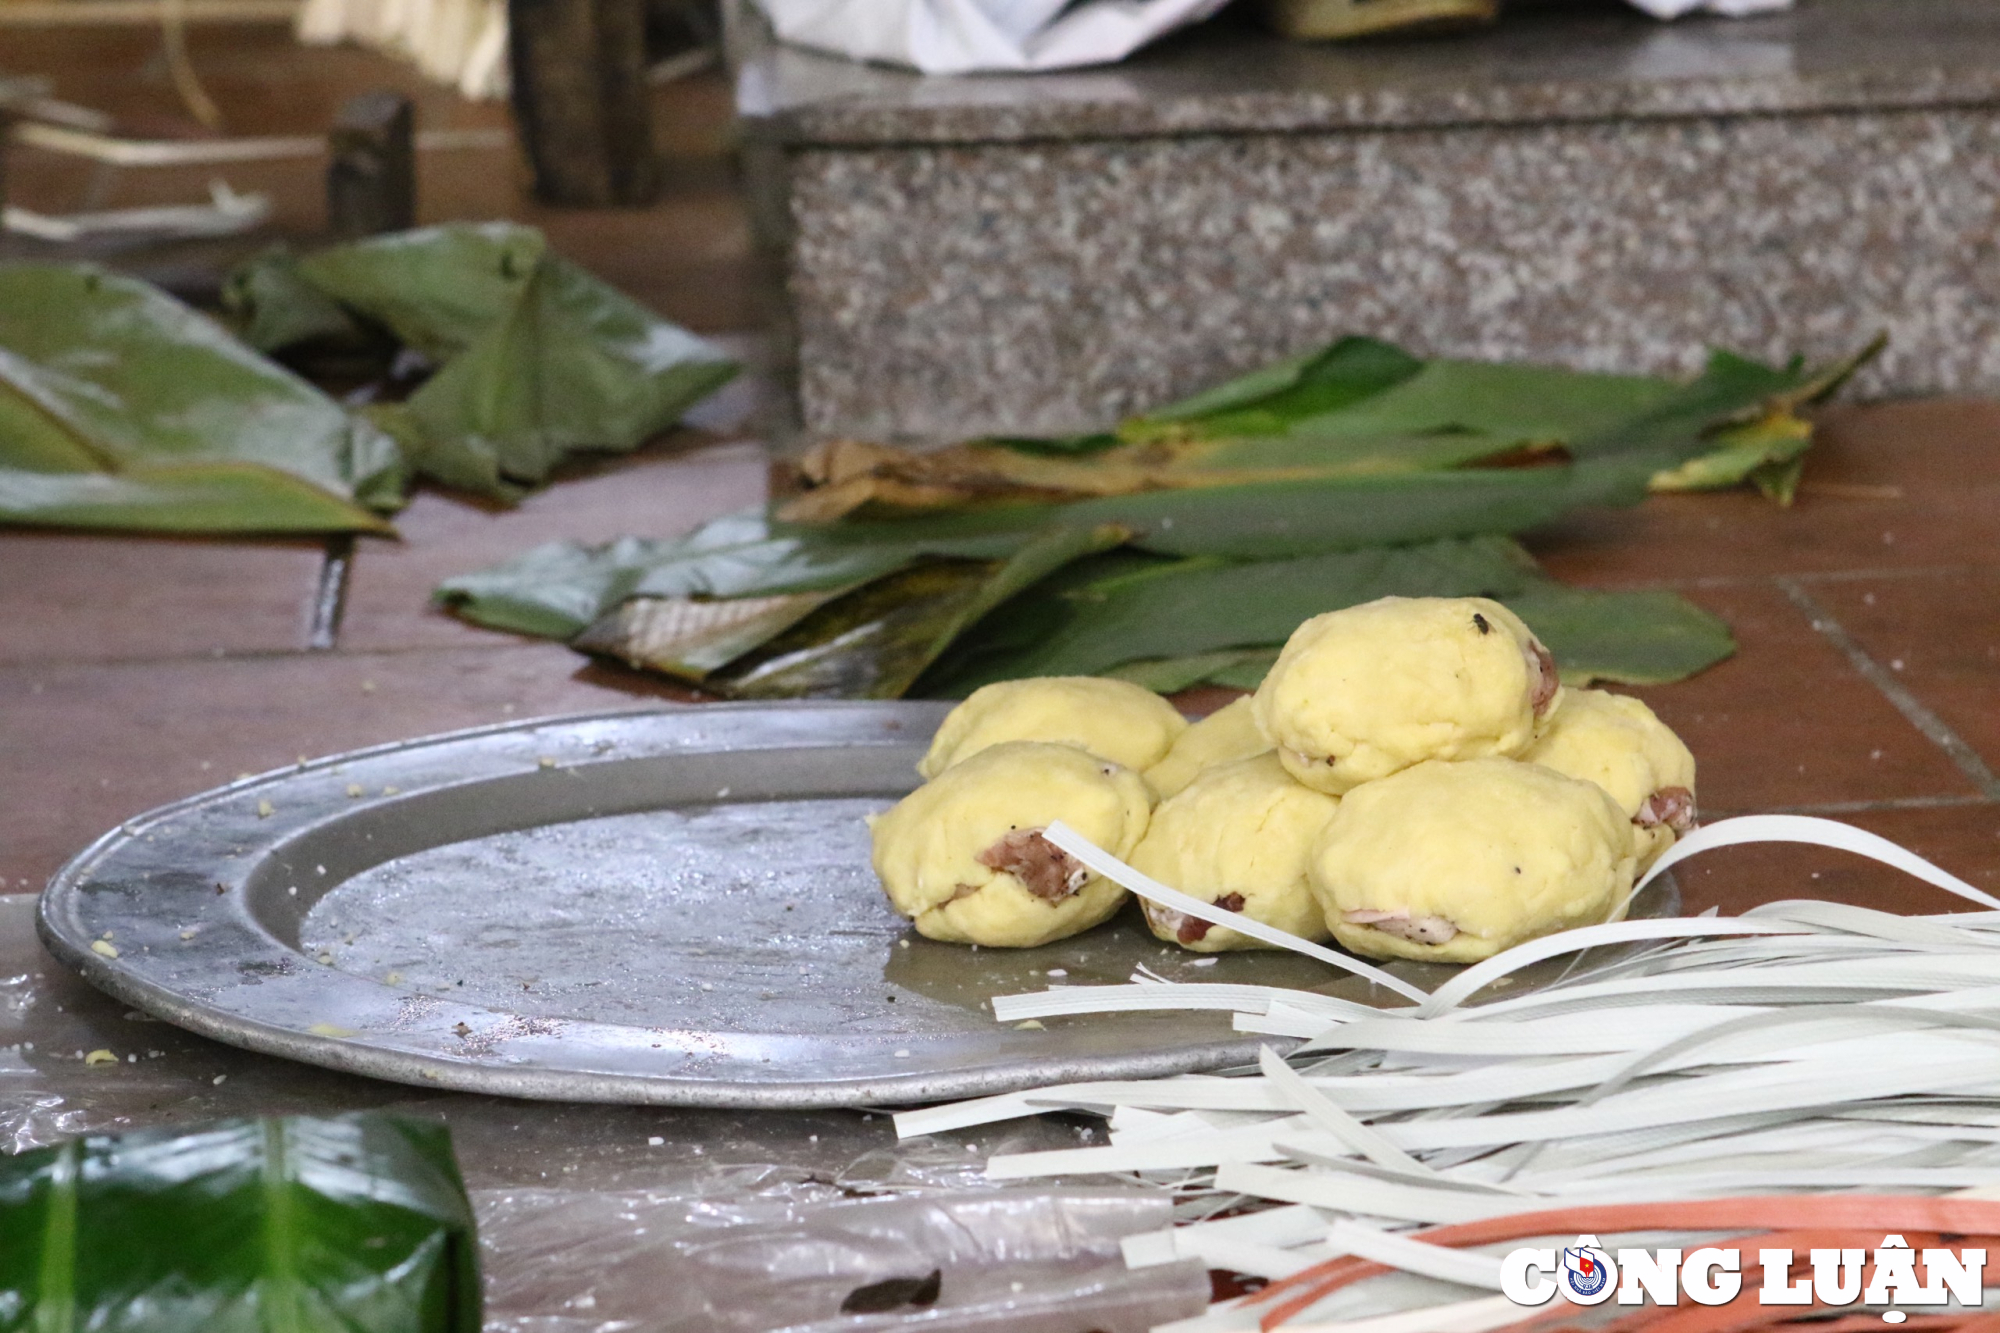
pixel 371 174
pixel 580 99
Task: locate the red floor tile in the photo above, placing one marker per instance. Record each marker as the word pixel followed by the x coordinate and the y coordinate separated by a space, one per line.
pixel 1896 486
pixel 1964 840
pixel 1788 722
pixel 83 747
pixel 94 599
pixel 1939 636
pixel 657 493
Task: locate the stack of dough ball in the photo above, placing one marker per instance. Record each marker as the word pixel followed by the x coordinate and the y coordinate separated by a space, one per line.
pixel 1360 694
pixel 1617 743
pixel 1112 719
pixel 1240 836
pixel 963 856
pixel 1225 736
pixel 1453 862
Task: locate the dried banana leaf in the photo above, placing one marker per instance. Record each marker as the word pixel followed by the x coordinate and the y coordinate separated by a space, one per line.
pixel 122 408
pixel 850 479
pixel 868 645
pixel 356 1224
pixel 1336 20
pixel 537 358
pixel 688 637
pixel 876 642
pixel 1357 409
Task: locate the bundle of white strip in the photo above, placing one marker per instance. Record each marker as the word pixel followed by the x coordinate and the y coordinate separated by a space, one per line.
pixel 458 42
pixel 1803 1047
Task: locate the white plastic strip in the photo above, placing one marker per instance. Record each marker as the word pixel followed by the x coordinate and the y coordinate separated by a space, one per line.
pixel 1247 1257
pixel 1284 1226
pixel 1481 975
pixel 1115 870
pixel 1252 1143
pixel 1415 1256
pixel 1348 1192
pixel 1140 996
pixel 1818 833
pixel 1321 1110
pixel 1480 1316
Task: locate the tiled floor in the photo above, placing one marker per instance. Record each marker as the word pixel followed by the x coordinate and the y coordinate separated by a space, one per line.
pixel 136 671
pixel 133 672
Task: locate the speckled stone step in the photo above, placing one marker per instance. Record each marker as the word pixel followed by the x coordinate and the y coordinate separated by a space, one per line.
pixel 1579 185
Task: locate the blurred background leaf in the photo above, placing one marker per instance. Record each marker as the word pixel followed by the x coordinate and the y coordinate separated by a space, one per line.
pixel 122 408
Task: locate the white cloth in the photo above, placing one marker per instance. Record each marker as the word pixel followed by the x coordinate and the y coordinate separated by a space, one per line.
pixel 968 36
pixel 1736 9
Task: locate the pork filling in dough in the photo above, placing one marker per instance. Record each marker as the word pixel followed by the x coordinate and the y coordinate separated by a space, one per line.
pixel 1415 929
pixel 1189 929
pixel 1542 670
pixel 1671 806
pixel 1044 869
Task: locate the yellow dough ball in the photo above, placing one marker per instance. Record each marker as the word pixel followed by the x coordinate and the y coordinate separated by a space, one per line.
pixel 1365 692
pixel 1455 862
pixel 1223 737
pixel 1617 743
pixel 1112 719
pixel 1239 836
pixel 963 856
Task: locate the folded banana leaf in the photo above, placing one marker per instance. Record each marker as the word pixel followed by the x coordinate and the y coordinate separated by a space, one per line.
pixel 1355 412
pixel 536 358
pixel 355 1224
pixel 122 408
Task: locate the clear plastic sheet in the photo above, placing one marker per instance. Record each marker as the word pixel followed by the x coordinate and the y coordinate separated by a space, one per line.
pixel 619 1219
pixel 1034 1261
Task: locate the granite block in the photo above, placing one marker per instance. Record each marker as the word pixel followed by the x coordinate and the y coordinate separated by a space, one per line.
pixel 954 290
pixel 1047 253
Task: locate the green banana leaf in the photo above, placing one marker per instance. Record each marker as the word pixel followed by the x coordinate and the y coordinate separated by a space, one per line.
pixel 1272 520
pixel 1183 608
pixel 1510 404
pixel 1629 638
pixel 356 1224
pixel 1363 401
pixel 537 359
pixel 1273 400
pixel 122 408
pixel 270 305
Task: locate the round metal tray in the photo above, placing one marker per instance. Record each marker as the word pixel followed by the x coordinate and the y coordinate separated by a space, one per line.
pixel 671 906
